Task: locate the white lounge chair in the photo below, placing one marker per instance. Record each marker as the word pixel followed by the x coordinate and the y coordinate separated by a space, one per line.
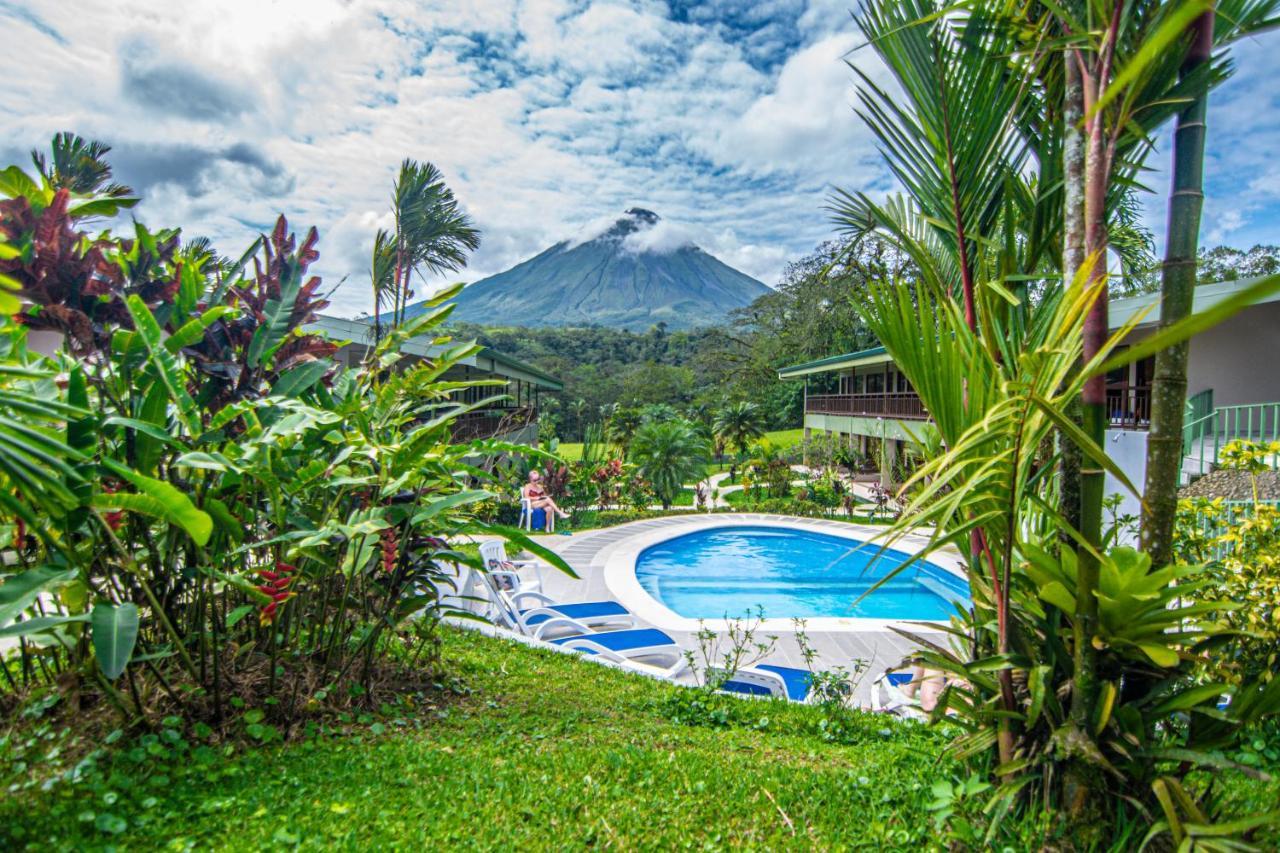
pixel 887 695
pixel 628 646
pixel 494 555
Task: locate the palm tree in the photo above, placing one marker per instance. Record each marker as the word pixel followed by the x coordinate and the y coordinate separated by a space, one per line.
pixel 1009 182
pixel 431 235
pixel 78 165
pixel 623 424
pixel 668 453
pixel 738 425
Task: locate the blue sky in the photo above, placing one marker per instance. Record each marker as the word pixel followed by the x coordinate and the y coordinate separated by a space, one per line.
pixel 732 120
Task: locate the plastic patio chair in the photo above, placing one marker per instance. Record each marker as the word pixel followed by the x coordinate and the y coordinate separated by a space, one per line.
pixel 632 647
pixel 766 679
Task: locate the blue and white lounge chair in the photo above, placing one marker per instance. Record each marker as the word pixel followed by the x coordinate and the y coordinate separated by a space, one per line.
pixel 766 679
pixel 538 615
pixel 629 647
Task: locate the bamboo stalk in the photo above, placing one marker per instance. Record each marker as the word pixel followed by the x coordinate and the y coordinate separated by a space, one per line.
pixel 1177 292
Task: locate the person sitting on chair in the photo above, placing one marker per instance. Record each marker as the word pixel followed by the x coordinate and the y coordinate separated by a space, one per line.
pixel 538 497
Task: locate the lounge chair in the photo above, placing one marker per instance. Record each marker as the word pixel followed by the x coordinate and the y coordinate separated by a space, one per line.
pixel 766 679
pixel 513 610
pixel 494 555
pixel 630 648
pixel 887 695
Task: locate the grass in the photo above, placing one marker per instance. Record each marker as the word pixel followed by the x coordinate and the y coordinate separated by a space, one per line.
pixel 542 752
pixel 571 451
pixel 784 438
pixel 546 752
pixel 685 498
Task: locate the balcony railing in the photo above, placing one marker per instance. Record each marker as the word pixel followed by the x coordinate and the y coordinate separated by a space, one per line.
pixel 487 423
pixel 1129 407
pixel 904 405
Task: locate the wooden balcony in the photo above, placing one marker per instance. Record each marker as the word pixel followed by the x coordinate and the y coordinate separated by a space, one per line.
pixel 901 405
pixel 1129 407
pixel 490 423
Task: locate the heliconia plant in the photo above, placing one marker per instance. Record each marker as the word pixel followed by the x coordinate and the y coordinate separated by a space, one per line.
pixel 197 501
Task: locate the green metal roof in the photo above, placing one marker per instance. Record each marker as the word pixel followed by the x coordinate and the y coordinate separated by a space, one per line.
pixel 875 355
pixel 360 333
pixel 1119 312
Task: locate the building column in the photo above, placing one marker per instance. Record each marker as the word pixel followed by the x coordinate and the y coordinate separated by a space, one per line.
pixel 889 456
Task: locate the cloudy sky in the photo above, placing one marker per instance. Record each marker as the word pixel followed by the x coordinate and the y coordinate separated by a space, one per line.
pixel 730 118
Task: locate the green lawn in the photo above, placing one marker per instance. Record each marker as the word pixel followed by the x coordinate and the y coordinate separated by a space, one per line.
pixel 542 752
pixel 784 438
pixel 571 451
pixel 546 752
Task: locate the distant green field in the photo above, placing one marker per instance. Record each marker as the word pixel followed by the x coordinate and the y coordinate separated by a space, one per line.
pixel 571 451
pixel 784 438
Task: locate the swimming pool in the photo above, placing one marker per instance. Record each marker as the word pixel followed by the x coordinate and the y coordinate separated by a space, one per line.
pixel 732 571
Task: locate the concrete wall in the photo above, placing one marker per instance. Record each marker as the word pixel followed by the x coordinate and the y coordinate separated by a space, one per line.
pixel 1128 449
pixel 1239 359
pixel 869 426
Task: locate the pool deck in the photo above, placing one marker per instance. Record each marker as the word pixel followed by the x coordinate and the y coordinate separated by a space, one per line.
pixel 604 560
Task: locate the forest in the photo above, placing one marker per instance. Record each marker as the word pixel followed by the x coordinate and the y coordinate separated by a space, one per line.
pixel 810 315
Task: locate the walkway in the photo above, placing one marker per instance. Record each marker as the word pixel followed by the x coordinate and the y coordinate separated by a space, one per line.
pixel 589 552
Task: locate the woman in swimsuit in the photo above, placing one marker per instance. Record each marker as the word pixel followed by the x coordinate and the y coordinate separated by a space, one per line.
pixel 538 497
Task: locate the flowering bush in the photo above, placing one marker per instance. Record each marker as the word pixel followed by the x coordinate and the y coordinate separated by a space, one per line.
pixel 1240 543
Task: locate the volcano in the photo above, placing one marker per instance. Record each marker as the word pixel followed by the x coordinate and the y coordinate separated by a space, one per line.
pixel 632 274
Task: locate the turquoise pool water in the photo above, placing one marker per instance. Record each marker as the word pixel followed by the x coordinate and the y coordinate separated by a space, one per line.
pixel 733 571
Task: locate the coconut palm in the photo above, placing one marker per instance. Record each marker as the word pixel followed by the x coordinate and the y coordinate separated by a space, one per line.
pixel 668 454
pixel 738 425
pixel 431 235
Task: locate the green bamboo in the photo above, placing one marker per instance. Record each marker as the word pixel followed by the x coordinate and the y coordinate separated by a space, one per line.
pixel 1177 291
pixel 1073 256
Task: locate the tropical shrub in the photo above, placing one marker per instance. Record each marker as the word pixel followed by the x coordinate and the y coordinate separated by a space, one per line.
pixel 668 454
pixel 204 509
pixel 1240 545
pixel 1016 665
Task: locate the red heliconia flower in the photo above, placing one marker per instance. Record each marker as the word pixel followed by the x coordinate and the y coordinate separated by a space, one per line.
pixel 277 588
pixel 114 518
pixel 390 549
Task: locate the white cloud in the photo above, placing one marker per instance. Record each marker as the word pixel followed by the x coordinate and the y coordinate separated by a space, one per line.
pixel 732 122
pixel 662 238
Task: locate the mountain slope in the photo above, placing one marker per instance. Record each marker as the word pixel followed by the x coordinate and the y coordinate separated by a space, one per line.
pixel 625 277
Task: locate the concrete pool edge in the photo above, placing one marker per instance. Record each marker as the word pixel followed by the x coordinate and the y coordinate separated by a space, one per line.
pixel 619 571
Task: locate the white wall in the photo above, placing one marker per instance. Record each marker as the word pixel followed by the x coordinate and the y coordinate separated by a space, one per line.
pixel 1239 359
pixel 1128 449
